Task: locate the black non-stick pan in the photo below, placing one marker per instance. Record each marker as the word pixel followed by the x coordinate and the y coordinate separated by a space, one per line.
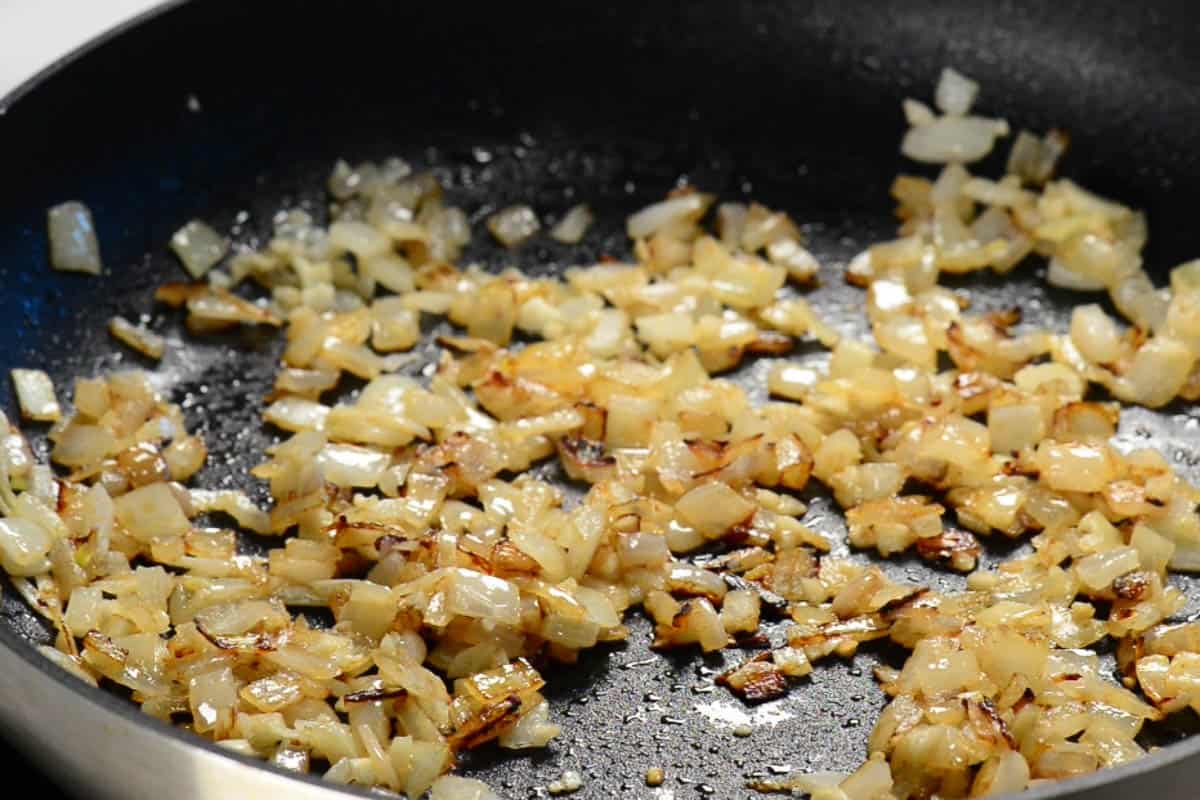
pixel 230 110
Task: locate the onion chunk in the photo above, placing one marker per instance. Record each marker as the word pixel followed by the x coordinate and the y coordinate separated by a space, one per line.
pixel 73 244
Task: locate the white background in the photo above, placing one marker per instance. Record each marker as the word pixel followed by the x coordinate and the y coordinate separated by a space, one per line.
pixel 33 33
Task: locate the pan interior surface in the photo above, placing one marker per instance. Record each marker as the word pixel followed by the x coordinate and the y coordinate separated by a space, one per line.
pixel 229 112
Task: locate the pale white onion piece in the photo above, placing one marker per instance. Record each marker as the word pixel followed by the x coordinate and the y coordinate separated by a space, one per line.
pixel 1058 274
pixel 872 780
pixel 234 503
pixel 714 508
pixel 573 226
pixel 73 244
pixel 643 550
pixel 222 307
pixel 352 466
pixel 24 547
pixel 1186 277
pixel 198 247
pixel 1098 571
pixel 359 238
pixel 1095 334
pixel 955 92
pixel 35 395
pixel 917 113
pixel 184 457
pixel 151 511
pixel 655 217
pixel 1186 557
pixel 1075 466
pixel 83 446
pixel 949 140
pixel 473 594
pixel 305 382
pixel 1034 159
pixel 1007 773
pixel 1139 301
pixel 513 225
pixel 144 340
pixel 1159 370
pixel 533 729
pixel 800 264
pixel 695 581
pixel 390 271
pixel 453 787
pixel 296 414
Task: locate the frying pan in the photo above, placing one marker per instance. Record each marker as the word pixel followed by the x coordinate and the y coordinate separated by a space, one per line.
pixel 230 110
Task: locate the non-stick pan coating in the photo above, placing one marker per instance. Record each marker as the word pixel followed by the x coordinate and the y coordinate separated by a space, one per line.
pixel 228 111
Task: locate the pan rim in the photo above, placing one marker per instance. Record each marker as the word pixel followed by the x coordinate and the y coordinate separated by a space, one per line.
pixel 128 712
pixel 61 62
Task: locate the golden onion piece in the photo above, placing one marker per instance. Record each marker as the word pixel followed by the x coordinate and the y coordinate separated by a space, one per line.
pixel 141 339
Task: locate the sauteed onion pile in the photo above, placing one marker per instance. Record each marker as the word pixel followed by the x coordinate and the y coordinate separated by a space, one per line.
pixel 408 509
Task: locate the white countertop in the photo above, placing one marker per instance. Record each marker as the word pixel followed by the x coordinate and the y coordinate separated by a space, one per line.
pixel 33 33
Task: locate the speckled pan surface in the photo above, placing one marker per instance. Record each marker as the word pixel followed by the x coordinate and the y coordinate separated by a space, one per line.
pixel 228 111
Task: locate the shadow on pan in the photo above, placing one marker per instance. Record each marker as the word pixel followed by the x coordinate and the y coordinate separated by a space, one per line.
pixel 229 111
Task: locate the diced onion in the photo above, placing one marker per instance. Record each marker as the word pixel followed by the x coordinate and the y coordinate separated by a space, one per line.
pixel 24 547
pixel 452 787
pixel 151 511
pixel 146 342
pixel 198 247
pixel 955 92
pixel 660 215
pixel 949 140
pixel 574 224
pixel 35 395
pixel 73 245
pixel 296 414
pixel 513 225
pixel 473 594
